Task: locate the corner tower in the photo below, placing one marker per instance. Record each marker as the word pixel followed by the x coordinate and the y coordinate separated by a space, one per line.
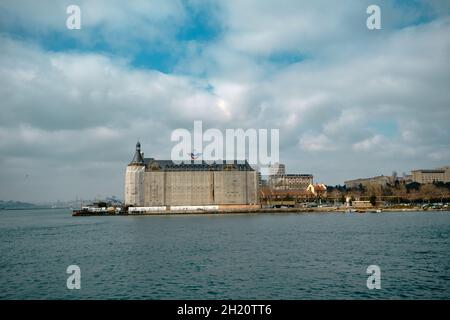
pixel 134 179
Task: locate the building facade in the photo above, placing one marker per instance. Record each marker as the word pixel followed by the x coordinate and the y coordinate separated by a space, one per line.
pixel 430 176
pixel 290 182
pixel 277 169
pixel 319 190
pixel 150 182
pixel 365 182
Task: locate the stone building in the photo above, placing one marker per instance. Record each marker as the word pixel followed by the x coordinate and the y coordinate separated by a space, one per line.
pixel 290 182
pixel 277 169
pixel 150 182
pixel 430 176
pixel 365 182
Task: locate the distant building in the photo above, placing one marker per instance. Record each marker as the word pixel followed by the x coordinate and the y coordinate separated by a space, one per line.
pixel 365 182
pixel 260 180
pixel 277 169
pixel 279 180
pixel 150 182
pixel 290 181
pixel 431 175
pixel 318 189
pixel 407 178
pixel 361 204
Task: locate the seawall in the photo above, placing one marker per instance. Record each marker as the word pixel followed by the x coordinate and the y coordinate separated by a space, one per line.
pixel 257 211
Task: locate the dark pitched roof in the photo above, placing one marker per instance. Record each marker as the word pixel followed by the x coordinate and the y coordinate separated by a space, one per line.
pixel 191 165
pixel 138 159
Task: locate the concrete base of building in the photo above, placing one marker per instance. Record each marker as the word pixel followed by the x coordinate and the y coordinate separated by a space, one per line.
pixel 194 209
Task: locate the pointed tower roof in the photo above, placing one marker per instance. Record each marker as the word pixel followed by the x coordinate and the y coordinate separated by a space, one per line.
pixel 137 159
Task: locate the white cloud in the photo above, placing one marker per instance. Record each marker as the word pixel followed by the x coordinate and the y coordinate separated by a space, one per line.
pixel 311 142
pixel 118 23
pixel 85 108
pixel 372 143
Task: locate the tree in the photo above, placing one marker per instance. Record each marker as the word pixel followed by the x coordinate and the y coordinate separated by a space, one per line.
pixel 375 189
pixel 360 188
pixel 394 178
pixel 400 192
pixel 413 186
pixel 442 193
pixel 351 200
pixel 373 200
pixel 335 194
pixel 429 192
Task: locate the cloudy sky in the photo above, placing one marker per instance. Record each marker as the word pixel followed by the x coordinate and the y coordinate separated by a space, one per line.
pixel 349 102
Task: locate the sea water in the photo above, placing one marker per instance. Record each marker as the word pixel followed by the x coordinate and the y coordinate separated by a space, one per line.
pixel 248 256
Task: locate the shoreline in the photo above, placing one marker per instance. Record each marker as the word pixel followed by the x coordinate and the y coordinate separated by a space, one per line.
pixel 260 211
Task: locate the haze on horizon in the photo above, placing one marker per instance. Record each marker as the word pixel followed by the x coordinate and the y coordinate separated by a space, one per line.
pixel 349 102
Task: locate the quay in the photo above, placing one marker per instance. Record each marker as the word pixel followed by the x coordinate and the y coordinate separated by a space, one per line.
pixel 77 213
